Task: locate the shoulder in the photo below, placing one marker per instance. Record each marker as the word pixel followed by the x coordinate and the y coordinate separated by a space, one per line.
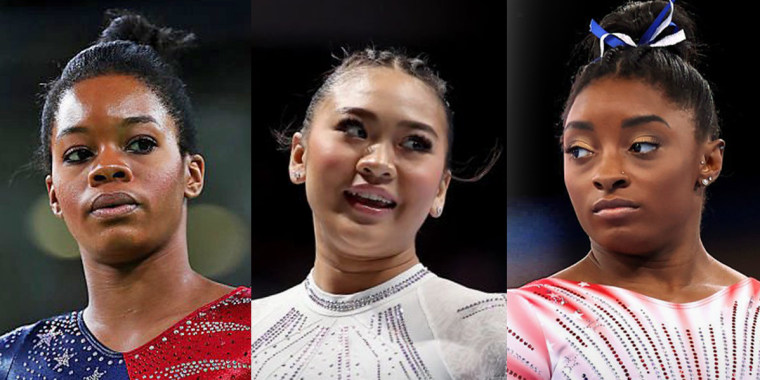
pixel 469 325
pixel 262 307
pixel 235 307
pixel 24 338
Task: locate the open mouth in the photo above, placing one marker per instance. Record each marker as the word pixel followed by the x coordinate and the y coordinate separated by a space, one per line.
pixel 369 200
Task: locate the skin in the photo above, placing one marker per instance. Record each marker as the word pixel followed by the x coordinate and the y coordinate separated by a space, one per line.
pixel 624 139
pixel 367 132
pixel 117 136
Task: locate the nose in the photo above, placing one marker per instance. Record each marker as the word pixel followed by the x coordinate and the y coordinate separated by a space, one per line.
pixel 611 175
pixel 377 163
pixel 109 167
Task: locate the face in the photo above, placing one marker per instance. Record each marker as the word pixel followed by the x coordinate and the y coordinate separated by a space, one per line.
pixel 632 165
pixel 373 161
pixel 118 179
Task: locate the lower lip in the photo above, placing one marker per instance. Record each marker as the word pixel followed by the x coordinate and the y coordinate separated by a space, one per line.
pixel 112 212
pixel 616 213
pixel 367 210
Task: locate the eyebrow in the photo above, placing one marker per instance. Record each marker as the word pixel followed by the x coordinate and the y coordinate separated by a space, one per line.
pixel 126 123
pixel 627 123
pixel 365 113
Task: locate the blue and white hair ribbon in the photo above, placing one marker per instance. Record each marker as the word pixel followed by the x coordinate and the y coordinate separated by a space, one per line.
pixel 659 24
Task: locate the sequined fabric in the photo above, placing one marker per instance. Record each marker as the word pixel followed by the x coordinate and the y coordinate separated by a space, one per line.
pixel 561 329
pixel 415 326
pixel 213 342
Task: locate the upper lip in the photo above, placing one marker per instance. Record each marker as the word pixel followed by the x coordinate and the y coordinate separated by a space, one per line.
pixel 112 200
pixel 367 189
pixel 613 203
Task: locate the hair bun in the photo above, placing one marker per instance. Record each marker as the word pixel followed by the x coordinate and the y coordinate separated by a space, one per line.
pixel 635 18
pixel 124 25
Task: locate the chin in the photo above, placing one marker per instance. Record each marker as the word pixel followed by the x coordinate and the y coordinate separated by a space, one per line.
pixel 119 249
pixel 630 243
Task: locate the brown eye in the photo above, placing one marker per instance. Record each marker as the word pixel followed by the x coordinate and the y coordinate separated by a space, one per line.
pixel 578 152
pixel 77 155
pixel 353 128
pixel 142 145
pixel 644 147
pixel 417 143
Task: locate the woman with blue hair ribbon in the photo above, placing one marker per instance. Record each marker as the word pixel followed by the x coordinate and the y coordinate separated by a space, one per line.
pixel 641 142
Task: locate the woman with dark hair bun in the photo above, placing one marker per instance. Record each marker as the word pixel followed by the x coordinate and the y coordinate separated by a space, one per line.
pixel 119 153
pixel 374 154
pixel 641 142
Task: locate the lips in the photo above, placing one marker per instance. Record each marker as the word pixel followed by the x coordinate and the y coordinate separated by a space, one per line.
pixel 616 203
pixel 112 204
pixel 370 197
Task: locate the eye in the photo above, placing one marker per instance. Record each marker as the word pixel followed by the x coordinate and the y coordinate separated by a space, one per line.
pixel 77 155
pixel 417 143
pixel 644 147
pixel 352 128
pixel 577 152
pixel 141 145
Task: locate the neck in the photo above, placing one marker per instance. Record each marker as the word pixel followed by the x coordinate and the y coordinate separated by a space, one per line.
pixel 669 268
pixel 340 272
pixel 124 297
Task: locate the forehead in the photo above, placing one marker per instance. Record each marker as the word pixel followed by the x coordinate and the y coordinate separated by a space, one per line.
pixel 614 99
pixel 389 93
pixel 106 99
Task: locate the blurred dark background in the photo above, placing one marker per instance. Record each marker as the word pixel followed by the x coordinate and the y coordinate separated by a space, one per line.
pixel 40 271
pixel 293 44
pixel 543 235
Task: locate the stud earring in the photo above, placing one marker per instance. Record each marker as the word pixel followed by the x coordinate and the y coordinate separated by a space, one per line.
pixel 297 175
pixel 706 181
pixel 439 211
pixel 702 162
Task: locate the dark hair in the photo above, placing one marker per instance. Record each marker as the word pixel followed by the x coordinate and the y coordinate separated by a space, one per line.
pixel 129 45
pixel 670 69
pixel 417 67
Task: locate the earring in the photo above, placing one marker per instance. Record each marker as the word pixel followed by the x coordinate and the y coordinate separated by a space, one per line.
pixel 702 162
pixel 706 181
pixel 297 175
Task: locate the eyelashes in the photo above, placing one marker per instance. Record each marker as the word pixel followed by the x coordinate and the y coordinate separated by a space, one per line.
pixel 139 145
pixel 355 128
pixel 643 148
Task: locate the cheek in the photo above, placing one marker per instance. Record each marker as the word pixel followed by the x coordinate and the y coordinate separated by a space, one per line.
pixel 420 183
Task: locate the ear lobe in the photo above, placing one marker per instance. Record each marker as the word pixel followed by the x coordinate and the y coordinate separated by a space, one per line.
pixel 436 210
pixel 713 159
pixel 195 175
pixel 55 207
pixel 297 165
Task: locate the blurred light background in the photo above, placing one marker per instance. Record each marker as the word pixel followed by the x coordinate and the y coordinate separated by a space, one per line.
pixel 40 271
pixel 293 44
pixel 543 235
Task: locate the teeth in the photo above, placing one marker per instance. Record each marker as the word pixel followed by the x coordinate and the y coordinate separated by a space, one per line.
pixel 372 197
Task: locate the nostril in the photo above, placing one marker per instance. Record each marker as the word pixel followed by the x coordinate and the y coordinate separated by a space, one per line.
pixel 119 175
pixel 598 185
pixel 99 177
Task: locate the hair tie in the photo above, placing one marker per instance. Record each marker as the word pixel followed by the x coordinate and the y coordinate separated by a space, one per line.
pixel 659 24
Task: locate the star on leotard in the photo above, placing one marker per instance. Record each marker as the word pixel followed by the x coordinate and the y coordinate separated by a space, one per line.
pixel 583 284
pixel 95 375
pixel 48 337
pixel 63 359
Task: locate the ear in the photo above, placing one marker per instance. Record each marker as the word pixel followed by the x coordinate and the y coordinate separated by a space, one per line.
pixel 440 198
pixel 297 166
pixel 713 159
pixel 52 197
pixel 195 170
